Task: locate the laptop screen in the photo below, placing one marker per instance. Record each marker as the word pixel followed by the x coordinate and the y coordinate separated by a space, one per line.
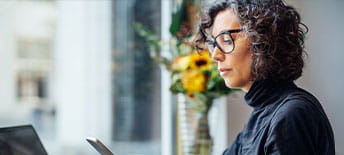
pixel 20 140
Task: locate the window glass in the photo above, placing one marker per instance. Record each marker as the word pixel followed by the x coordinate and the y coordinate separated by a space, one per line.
pixel 136 80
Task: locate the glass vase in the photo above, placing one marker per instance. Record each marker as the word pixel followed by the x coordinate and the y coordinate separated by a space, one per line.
pixel 194 127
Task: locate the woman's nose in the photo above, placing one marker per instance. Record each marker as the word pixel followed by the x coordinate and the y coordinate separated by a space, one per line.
pixel 217 55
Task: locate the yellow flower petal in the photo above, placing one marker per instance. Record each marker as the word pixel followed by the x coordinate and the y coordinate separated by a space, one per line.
pixel 193 81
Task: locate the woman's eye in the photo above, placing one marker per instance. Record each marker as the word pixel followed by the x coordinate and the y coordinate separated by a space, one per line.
pixel 226 39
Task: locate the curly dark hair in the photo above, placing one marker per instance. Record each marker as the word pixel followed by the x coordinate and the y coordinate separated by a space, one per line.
pixel 275 29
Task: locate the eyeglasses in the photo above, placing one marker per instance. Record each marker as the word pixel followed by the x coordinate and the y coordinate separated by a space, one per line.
pixel 224 41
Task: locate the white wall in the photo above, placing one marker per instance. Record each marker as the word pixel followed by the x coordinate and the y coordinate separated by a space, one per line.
pixel 82 73
pixel 238 114
pixel 7 66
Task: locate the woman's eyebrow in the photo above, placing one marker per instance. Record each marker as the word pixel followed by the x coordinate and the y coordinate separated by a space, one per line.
pixel 212 36
pixel 224 30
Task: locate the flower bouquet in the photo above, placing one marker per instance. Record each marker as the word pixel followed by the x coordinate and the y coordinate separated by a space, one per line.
pixel 192 74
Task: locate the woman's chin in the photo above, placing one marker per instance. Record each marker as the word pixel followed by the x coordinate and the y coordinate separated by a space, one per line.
pixel 232 84
pixel 229 84
pixel 244 85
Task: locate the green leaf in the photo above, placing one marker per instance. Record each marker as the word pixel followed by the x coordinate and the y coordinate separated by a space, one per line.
pixel 177 19
pixel 177 87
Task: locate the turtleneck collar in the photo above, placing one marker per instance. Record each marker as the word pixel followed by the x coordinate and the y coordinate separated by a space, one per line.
pixel 263 92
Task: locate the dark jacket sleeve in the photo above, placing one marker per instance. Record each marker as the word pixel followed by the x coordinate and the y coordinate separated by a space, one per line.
pixel 295 129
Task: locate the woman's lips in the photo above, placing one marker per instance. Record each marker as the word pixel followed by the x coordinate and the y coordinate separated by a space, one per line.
pixel 224 70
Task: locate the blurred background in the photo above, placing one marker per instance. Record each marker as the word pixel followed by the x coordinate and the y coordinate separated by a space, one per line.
pixel 77 68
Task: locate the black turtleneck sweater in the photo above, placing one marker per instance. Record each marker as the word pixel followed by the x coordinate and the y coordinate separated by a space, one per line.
pixel 286 120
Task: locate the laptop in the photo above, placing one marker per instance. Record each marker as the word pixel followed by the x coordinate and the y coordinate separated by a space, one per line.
pixel 20 140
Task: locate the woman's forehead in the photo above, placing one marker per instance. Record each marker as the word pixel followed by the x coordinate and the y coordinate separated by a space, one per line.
pixel 225 20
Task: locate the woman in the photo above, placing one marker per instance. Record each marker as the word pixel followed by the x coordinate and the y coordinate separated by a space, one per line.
pixel 259 47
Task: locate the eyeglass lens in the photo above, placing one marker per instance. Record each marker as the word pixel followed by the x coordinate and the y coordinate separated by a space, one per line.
pixel 224 42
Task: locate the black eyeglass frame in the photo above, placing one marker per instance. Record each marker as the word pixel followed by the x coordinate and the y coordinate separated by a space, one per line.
pixel 215 44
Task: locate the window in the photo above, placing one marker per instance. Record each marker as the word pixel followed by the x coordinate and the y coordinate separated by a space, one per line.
pixel 136 80
pixel 27 35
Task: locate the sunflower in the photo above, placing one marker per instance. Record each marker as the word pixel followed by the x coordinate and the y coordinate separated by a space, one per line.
pixel 200 62
pixel 193 81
